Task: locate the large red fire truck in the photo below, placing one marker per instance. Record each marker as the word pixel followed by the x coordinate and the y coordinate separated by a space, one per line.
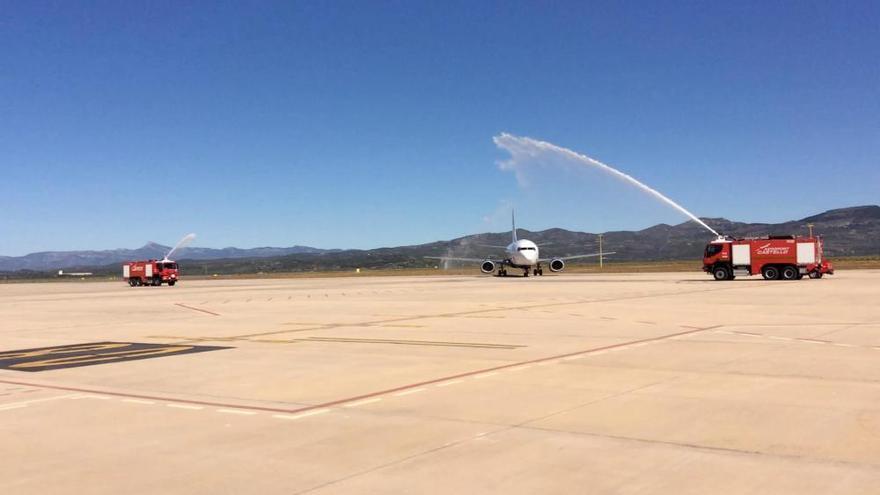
pixel 150 272
pixel 775 257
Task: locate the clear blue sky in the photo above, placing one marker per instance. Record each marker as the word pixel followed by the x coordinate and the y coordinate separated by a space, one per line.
pixel 362 124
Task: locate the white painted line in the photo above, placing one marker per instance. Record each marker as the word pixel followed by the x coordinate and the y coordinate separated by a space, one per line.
pixel 301 415
pixel 184 406
pixel 640 344
pixel 138 401
pixel 363 402
pixel 16 405
pixel 485 375
pixel 843 345
pixel 408 392
pixel 453 382
pixel 811 341
pixel 236 411
pixel 571 358
pixel 597 353
pixel 90 396
pixel 284 416
pixel 520 368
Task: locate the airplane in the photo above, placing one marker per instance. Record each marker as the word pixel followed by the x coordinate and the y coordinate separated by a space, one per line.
pixel 522 254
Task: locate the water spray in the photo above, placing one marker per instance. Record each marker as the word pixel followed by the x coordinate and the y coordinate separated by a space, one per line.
pixel 182 243
pixel 528 148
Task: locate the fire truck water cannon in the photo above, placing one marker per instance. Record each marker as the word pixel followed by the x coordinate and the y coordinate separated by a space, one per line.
pixel 775 257
pixel 154 273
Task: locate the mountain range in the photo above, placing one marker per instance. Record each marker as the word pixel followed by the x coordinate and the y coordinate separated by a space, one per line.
pixel 853 231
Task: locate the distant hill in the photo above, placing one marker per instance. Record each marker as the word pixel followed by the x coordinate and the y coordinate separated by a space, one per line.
pixel 56 260
pixel 851 231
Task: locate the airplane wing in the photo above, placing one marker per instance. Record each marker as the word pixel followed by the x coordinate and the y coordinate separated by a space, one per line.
pixel 566 258
pixel 473 260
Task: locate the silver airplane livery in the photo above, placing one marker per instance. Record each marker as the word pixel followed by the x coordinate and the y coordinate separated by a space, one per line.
pixel 522 254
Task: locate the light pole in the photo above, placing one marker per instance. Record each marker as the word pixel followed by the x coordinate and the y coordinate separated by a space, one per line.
pixel 601 263
pixel 810 226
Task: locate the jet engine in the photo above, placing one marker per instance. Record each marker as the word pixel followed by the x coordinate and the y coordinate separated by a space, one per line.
pixel 557 265
pixel 488 266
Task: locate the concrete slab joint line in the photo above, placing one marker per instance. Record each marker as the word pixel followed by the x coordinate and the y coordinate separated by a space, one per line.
pixel 328 326
pixel 363 399
pixel 197 309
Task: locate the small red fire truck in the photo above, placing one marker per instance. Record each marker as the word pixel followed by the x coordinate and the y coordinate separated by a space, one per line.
pixel 150 272
pixel 775 257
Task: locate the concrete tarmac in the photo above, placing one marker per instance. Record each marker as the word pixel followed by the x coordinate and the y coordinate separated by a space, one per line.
pixel 570 383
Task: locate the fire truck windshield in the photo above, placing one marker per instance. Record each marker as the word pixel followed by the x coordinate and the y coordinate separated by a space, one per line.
pixel 712 249
pixel 167 266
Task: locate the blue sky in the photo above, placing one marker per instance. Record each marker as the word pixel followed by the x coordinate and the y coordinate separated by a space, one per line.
pixel 364 124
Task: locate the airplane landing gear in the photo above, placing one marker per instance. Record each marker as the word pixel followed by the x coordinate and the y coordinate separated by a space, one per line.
pixel 502 272
pixel 525 272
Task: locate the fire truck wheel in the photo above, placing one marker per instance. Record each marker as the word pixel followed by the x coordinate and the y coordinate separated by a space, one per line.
pixel 789 273
pixel 770 273
pixel 721 273
pixel 815 274
pixel 171 283
pixel 132 282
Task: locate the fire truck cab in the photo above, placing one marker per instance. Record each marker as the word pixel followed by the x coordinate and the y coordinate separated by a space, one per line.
pixel 150 273
pixel 774 257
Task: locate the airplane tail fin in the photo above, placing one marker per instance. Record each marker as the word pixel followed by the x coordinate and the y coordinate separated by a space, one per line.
pixel 513 224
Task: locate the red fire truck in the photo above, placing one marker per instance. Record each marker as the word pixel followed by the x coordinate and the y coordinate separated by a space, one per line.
pixel 775 257
pixel 150 272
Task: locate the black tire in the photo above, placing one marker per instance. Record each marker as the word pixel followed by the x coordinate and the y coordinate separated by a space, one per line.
pixel 721 273
pixel 789 273
pixel 171 283
pixel 541 272
pixel 132 282
pixel 157 281
pixel 526 273
pixel 770 272
pixel 815 274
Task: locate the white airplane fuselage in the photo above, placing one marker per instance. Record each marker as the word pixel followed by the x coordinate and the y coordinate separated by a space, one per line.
pixel 522 253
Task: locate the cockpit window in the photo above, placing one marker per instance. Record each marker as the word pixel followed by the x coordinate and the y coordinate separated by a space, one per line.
pixel 713 249
pixel 525 249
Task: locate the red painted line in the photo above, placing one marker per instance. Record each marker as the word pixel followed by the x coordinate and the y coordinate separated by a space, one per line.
pixel 358 397
pixel 197 309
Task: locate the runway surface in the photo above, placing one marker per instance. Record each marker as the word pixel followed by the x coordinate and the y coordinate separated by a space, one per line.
pixel 636 383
